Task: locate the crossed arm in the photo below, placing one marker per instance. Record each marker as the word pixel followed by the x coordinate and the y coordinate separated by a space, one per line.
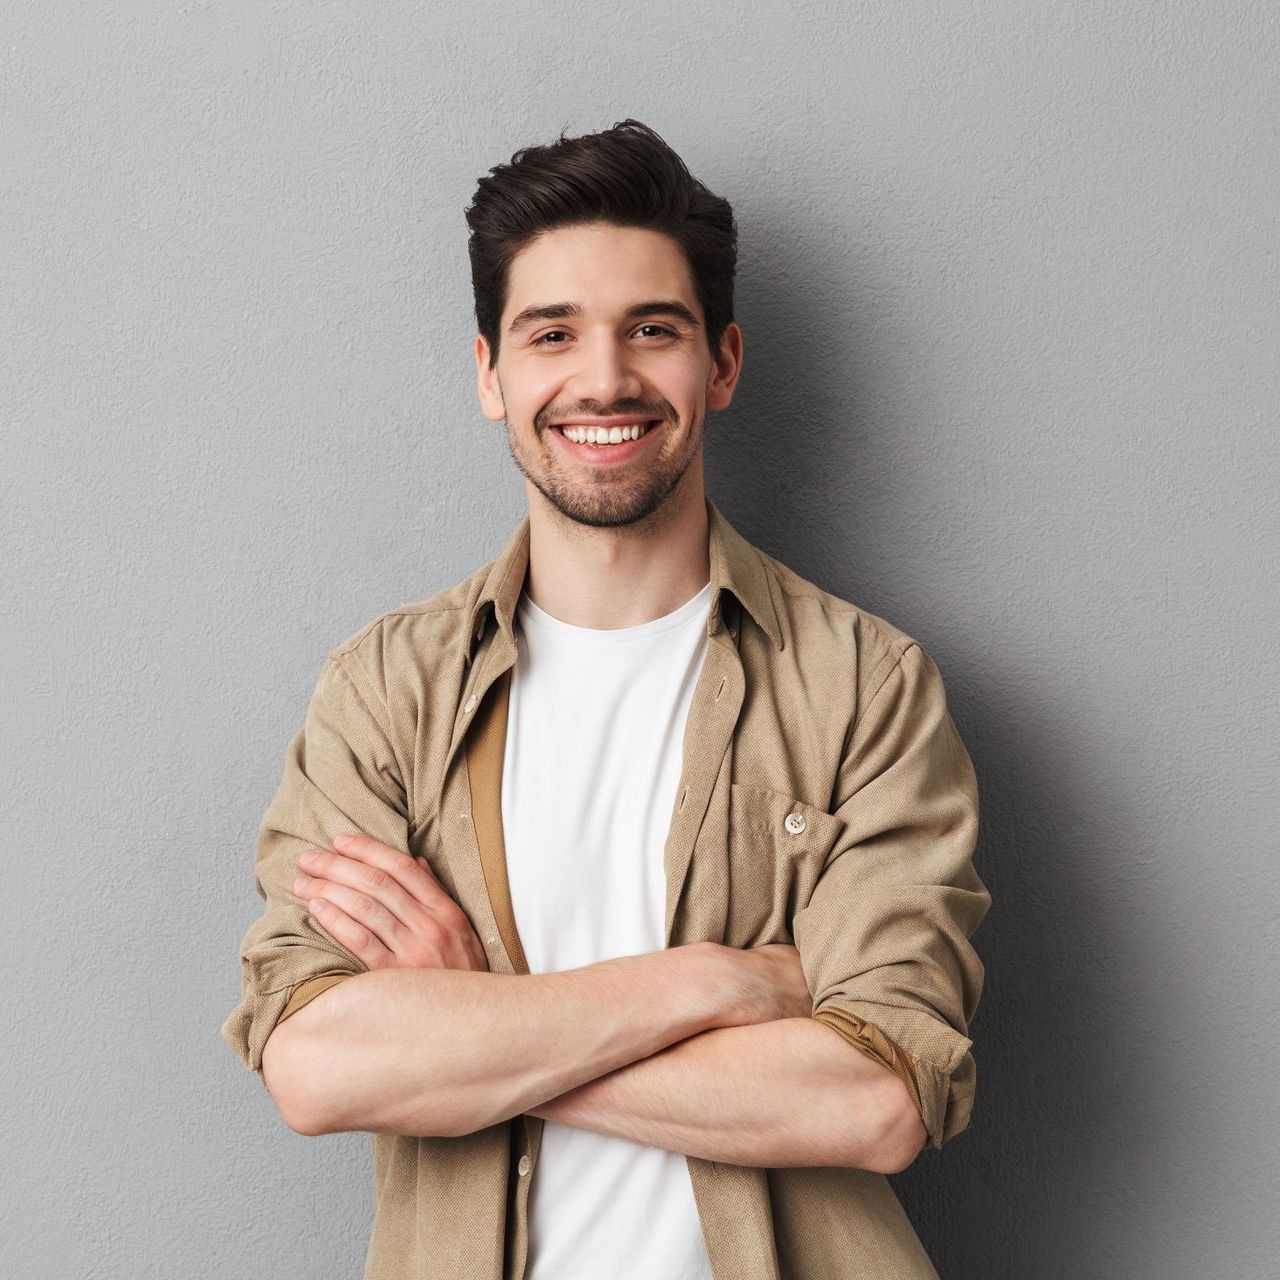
pixel 775 1094
pixel 698 1049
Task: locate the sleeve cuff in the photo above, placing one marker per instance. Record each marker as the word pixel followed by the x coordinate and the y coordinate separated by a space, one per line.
pixel 307 991
pixel 868 1038
pixel 943 1099
pixel 266 993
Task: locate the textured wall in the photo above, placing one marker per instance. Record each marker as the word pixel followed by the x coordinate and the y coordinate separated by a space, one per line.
pixel 1009 290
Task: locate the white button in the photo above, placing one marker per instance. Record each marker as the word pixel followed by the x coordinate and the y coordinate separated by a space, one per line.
pixel 523 1166
pixel 470 702
pixel 794 822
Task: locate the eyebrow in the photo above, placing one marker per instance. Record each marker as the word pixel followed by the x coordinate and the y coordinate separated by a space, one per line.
pixel 564 310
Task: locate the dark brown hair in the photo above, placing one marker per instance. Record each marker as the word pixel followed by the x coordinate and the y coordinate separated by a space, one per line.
pixel 626 175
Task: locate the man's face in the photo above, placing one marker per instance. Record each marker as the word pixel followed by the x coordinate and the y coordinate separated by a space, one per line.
pixel 620 336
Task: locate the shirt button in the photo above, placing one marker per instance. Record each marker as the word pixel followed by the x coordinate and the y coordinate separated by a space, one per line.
pixel 523 1166
pixel 794 822
pixel 469 704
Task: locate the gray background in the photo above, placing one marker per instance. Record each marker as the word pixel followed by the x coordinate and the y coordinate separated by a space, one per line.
pixel 1009 291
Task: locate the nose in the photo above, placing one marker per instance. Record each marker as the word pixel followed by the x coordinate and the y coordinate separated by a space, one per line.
pixel 605 374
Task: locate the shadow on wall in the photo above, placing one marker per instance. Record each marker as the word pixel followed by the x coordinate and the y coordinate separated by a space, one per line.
pixel 1063 1087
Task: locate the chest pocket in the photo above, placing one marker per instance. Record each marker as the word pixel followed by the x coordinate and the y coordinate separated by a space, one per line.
pixel 777 848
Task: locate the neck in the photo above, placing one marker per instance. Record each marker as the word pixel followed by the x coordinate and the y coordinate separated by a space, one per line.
pixel 605 578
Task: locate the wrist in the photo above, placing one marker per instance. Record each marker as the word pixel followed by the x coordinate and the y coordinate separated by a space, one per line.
pixel 713 996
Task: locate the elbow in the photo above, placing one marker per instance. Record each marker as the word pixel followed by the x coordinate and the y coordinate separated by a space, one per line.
pixel 285 1073
pixel 903 1135
pixel 301 1124
pixel 897 1157
pixel 297 1055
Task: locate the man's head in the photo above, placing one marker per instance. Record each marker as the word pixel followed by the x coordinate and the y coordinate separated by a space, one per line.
pixel 603 277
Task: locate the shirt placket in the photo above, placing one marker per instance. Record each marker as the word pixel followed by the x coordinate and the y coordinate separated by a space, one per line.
pixel 733 1200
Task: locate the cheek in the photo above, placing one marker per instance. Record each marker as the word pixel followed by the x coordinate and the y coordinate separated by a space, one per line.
pixel 528 390
pixel 688 391
pixel 537 384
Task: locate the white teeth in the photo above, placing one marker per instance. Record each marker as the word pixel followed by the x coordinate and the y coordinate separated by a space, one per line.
pixel 604 435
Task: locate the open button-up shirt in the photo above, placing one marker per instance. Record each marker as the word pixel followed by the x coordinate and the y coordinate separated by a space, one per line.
pixel 826 800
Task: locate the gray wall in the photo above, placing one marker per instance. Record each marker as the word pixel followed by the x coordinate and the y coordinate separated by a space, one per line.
pixel 1009 290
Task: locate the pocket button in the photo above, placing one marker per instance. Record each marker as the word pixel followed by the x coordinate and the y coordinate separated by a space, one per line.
pixel 794 822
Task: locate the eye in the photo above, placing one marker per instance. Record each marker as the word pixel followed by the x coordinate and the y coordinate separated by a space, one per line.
pixel 541 340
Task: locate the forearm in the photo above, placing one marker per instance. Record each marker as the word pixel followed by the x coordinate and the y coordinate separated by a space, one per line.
pixel 447 1052
pixel 773 1094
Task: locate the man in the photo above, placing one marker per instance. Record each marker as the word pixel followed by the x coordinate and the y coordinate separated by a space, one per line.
pixel 623 890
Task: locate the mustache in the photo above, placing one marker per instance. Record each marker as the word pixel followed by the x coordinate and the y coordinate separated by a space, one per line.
pixel 646 413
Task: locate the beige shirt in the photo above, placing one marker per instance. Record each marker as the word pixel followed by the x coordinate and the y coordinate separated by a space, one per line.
pixel 826 800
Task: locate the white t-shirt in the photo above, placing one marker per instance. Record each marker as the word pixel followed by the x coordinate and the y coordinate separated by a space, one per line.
pixel 595 731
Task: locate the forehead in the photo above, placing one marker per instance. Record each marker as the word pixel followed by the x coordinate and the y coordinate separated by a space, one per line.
pixel 603 267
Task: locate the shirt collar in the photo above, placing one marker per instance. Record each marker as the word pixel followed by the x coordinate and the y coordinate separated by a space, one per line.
pixel 736 567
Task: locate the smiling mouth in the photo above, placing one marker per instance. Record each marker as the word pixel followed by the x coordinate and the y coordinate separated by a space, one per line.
pixel 603 437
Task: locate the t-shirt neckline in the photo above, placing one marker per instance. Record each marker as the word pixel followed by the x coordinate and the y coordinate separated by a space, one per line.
pixel 530 614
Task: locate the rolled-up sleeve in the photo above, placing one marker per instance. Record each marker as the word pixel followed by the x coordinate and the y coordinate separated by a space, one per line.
pixel 884 940
pixel 340 774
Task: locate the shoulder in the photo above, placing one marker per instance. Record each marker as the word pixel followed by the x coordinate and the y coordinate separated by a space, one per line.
pixel 828 630
pixel 420 635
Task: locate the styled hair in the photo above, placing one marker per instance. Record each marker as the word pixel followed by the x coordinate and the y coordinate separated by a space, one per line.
pixel 627 176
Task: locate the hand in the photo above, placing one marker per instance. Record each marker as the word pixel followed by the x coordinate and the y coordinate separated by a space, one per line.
pixel 386 907
pixel 762 984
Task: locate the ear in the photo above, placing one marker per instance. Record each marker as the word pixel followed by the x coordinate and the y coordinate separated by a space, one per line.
pixel 488 387
pixel 725 369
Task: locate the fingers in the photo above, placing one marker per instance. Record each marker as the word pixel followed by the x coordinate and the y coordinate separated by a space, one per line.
pixel 353 935
pixel 411 873
pixel 369 891
pixel 386 906
pixel 361 907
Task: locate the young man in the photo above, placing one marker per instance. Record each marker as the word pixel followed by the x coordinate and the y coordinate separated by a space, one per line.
pixel 623 890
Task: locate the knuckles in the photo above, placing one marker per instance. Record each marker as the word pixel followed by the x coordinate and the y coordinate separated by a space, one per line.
pixel 376 880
